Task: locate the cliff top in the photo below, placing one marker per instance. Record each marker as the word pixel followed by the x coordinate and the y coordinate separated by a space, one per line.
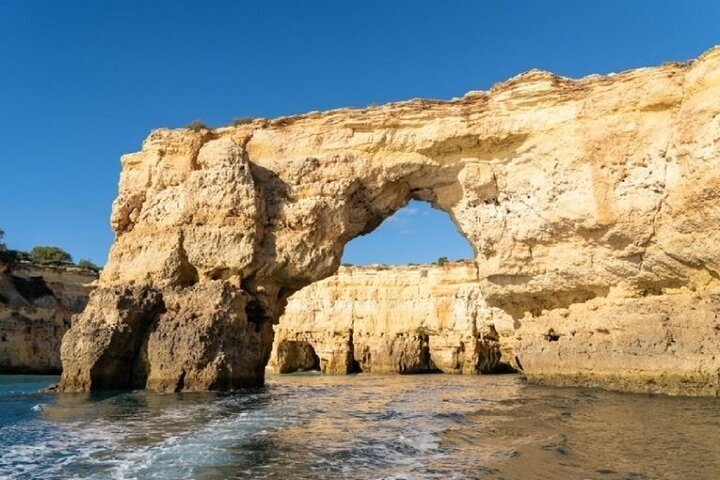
pixel 382 267
pixel 524 85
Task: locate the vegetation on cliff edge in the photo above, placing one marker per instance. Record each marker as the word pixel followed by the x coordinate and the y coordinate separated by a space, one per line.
pixel 42 255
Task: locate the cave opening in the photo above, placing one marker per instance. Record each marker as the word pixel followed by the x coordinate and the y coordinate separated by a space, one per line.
pixel 297 356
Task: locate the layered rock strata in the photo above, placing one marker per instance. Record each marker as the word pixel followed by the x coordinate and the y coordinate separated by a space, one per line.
pixel 379 319
pixel 36 306
pixel 586 201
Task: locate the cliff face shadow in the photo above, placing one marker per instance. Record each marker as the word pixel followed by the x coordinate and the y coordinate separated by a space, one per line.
pixel 273 192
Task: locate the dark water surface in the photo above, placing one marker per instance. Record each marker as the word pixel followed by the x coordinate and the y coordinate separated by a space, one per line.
pixel 395 427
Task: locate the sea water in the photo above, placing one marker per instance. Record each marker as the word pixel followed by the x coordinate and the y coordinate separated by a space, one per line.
pixel 360 426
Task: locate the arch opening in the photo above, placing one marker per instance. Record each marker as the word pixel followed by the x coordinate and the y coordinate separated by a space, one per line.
pixel 405 300
pixel 417 233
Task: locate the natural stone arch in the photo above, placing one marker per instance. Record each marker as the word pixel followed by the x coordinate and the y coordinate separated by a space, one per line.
pixel 206 266
pixel 582 199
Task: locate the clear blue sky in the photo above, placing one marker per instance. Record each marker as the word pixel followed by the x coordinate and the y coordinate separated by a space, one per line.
pixel 83 82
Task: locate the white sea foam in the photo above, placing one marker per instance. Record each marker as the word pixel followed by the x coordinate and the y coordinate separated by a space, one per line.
pixel 427 427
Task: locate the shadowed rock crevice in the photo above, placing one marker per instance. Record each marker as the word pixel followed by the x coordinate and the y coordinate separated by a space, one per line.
pixel 31 288
pixel 520 304
pixel 187 273
pixel 121 318
pixel 296 356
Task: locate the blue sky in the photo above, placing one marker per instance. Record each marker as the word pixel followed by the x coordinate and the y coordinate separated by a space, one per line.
pixel 417 233
pixel 83 82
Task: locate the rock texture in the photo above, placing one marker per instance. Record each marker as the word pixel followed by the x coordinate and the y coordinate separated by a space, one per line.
pixel 590 202
pixel 36 304
pixel 381 319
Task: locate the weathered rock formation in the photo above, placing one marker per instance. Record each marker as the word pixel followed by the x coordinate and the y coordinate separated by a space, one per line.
pixel 36 304
pixel 592 206
pixel 381 319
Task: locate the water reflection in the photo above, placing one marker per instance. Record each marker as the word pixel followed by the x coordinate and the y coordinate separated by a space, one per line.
pixel 436 426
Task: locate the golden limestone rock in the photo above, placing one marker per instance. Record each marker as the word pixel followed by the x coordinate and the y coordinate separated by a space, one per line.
pixel 591 205
pixel 380 319
pixel 36 306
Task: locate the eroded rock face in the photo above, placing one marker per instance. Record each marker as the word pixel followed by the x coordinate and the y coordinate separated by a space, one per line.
pixel 36 305
pixel 379 319
pixel 659 344
pixel 181 339
pixel 574 194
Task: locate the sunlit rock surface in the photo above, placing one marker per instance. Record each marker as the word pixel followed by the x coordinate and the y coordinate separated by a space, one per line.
pixel 589 203
pixel 36 305
pixel 381 319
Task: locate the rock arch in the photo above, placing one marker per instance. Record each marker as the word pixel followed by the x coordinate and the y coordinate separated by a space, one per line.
pixel 583 199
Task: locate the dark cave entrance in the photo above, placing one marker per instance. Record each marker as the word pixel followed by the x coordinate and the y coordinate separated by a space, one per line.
pixel 297 356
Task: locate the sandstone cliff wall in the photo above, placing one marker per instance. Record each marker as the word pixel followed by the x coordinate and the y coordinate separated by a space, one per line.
pixel 415 319
pixel 592 205
pixel 36 304
pixel 379 319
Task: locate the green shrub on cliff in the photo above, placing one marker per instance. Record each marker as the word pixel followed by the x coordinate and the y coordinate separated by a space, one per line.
pixel 197 125
pixel 50 256
pixel 241 121
pixel 14 256
pixel 442 260
pixel 11 256
pixel 88 265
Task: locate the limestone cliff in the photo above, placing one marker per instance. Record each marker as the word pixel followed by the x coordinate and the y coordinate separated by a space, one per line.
pixel 592 205
pixel 36 304
pixel 382 319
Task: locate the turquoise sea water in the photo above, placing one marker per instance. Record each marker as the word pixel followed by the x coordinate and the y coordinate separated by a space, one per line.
pixel 363 426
